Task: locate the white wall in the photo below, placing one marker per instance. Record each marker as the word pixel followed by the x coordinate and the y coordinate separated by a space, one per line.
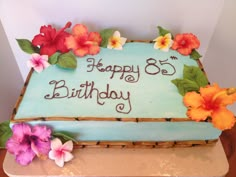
pixel 11 80
pixel 220 58
pixel 136 19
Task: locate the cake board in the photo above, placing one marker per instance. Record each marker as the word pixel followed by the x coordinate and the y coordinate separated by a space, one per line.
pixel 199 161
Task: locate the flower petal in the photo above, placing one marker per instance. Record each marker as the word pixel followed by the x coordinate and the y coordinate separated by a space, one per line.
pixel 81 51
pixel 59 42
pixel 123 40
pixel 68 156
pixel 80 30
pixel 48 31
pixel 185 51
pixel 177 40
pixel 93 50
pixel 25 158
pixel 223 99
pixel 209 91
pixel 20 130
pixel 116 34
pixel 30 64
pixel 71 42
pixel 156 46
pixel 52 154
pixel 195 43
pixel 60 161
pixel 48 49
pixel 193 100
pixel 165 49
pixel 67 146
pixel 43 132
pixel 38 68
pixel 14 146
pixel 41 148
pixel 39 40
pixel 198 114
pixel 95 38
pixel 223 119
pixel 45 64
pixel 56 144
pixel 118 47
pixel 44 57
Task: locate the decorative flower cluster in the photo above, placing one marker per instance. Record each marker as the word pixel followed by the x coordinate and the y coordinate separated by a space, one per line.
pixel 59 47
pixel 27 142
pixel 185 44
pixel 202 100
pixel 205 101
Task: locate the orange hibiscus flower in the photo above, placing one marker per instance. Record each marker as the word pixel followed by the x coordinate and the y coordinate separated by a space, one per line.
pixel 211 102
pixel 82 42
pixel 185 43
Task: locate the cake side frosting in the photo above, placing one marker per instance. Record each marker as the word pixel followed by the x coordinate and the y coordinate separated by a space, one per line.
pixel 132 83
pixel 120 131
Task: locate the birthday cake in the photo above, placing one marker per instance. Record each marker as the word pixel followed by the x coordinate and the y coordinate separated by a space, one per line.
pixel 102 90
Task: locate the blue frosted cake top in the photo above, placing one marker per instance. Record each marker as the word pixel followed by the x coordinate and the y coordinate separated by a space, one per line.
pixel 131 83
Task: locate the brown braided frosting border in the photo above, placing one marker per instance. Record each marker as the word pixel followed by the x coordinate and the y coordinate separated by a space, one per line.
pixel 144 144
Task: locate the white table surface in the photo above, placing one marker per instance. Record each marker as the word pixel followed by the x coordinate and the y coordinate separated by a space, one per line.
pixel 181 162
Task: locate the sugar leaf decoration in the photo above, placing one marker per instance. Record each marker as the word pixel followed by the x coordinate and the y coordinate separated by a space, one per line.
pixel 195 55
pixel 5 133
pixel 63 136
pixel 106 34
pixel 27 46
pixel 67 60
pixel 53 59
pixel 193 79
pixel 163 31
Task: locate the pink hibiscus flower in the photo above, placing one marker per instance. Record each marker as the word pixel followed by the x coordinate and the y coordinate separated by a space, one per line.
pixel 28 142
pixel 61 152
pixel 50 40
pixel 38 62
pixel 82 42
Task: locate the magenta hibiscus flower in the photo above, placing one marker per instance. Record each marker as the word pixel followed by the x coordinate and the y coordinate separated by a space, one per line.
pixel 28 142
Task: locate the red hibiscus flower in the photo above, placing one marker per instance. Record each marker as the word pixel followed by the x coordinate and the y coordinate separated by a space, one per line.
pixel 50 40
pixel 185 43
pixel 83 42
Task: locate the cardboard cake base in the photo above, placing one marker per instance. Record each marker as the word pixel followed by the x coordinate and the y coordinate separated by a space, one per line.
pixel 199 161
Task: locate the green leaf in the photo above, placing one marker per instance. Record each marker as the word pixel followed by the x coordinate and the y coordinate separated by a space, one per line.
pixel 195 55
pixel 196 75
pixel 162 31
pixel 106 34
pixel 63 136
pixel 27 46
pixel 54 58
pixel 5 133
pixel 185 85
pixel 67 60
